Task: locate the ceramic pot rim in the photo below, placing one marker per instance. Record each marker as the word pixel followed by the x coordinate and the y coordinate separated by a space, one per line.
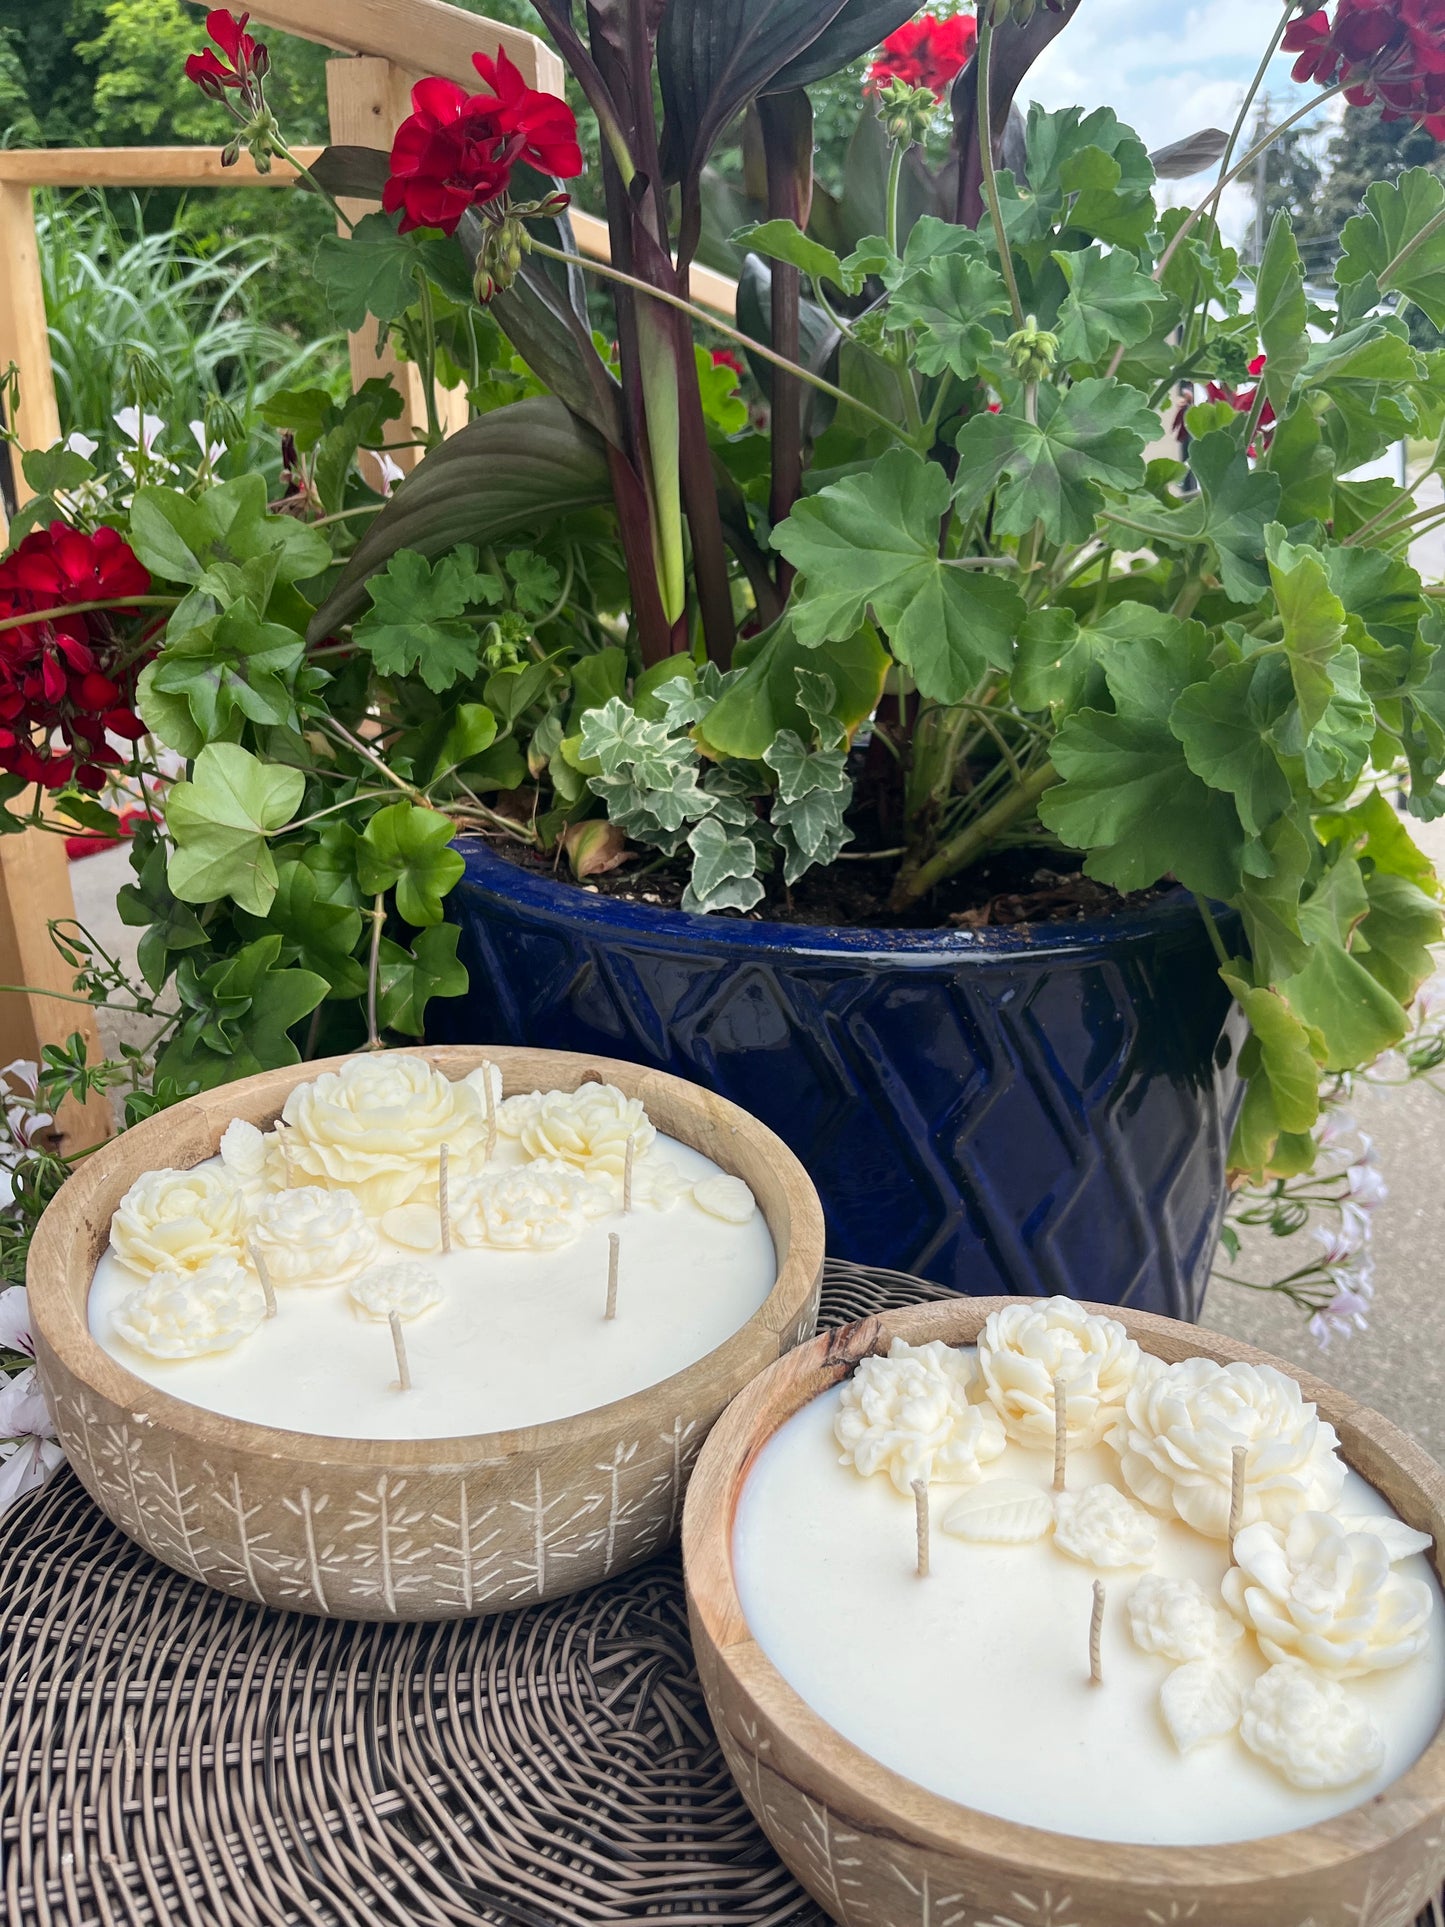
pixel 68 1239
pixel 1173 917
pixel 841 1772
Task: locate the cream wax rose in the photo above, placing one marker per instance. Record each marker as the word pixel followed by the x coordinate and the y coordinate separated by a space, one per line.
pixel 1024 1348
pixel 590 1128
pixel 1326 1596
pixel 1179 1427
pixel 376 1128
pixel 179 1221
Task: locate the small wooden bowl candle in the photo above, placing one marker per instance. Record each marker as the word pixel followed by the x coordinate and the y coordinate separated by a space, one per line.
pixel 878 1849
pixel 402 1528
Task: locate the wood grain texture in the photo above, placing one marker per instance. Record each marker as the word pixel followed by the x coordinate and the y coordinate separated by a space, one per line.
pixel 401 1528
pixel 876 1850
pixel 142 167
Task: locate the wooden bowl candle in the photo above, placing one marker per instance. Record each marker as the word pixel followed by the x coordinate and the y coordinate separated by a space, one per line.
pixel 539 1444
pixel 899 1665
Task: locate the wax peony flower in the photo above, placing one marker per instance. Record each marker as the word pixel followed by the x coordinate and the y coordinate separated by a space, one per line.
pixel 1177 1619
pixel 405 1288
pixel 1099 1527
pixel 312 1236
pixel 376 1128
pixel 25 1419
pixel 909 1415
pixel 63 676
pixel 1318 1593
pixel 1024 1348
pixel 1309 1729
pixel 187 1314
pixel 179 1221
pixel 456 150
pixel 589 1127
pixel 925 52
pixel 1392 51
pixel 1180 1423
pixel 540 1206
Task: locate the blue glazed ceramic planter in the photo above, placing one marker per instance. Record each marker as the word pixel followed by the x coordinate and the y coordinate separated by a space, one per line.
pixel 999 1110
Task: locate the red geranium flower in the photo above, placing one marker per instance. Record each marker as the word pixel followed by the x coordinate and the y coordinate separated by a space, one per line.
pixel 926 52
pixel 725 358
pixel 63 687
pixel 1392 51
pixel 245 62
pixel 457 150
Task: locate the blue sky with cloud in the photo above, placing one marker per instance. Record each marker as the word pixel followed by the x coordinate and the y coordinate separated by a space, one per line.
pixel 1166 67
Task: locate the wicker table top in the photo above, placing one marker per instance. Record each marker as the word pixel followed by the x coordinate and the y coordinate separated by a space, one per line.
pixel 170 1755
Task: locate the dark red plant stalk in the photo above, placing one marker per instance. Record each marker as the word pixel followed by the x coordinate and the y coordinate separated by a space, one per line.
pixel 786 123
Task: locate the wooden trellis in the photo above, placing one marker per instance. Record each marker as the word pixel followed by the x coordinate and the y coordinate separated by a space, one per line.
pixel 382 47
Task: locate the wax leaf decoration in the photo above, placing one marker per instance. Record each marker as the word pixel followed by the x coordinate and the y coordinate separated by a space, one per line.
pixel 1005 1512
pixel 1200 1702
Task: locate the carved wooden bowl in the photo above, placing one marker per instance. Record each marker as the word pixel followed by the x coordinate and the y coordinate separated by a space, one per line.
pixel 877 1850
pixel 402 1528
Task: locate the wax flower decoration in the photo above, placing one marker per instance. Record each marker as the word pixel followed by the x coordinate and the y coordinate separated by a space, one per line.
pixel 1177 1619
pixel 1310 1729
pixel 178 1221
pixel 909 1415
pixel 312 1236
pixel 543 1205
pixel 1023 1349
pixel 405 1288
pixel 590 1127
pixel 184 1315
pixel 1099 1527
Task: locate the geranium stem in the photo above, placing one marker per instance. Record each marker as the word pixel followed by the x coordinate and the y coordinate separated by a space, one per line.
pixel 83 608
pixel 985 158
pixel 959 851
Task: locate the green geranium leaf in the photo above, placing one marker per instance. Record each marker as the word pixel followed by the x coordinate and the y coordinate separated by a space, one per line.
pixel 1335 992
pixel 414 622
pixel 1109 301
pixel 1282 313
pixel 1368 379
pixel 221 820
pixel 1131 800
pixel 1314 622
pixel 1269 901
pixel 1149 658
pixel 766 696
pixel 1373 828
pixel 471 730
pixel 871 542
pixel 949 301
pixel 1227 728
pixel 1383 591
pixel 408 848
pixel 535 583
pixel 1051 471
pixel 179 537
pixel 1394 940
pixel 1397 213
pixel 784 241
pixel 1290 1052
pixel 407 980
pixel 717 385
pixel 1423 717
pixel 1054 662
pixel 58 467
pixel 235 666
pixel 372 271
pixel 1231 509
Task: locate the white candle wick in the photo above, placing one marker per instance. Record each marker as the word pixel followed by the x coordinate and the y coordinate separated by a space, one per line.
pixel 921 1524
pixel 1236 1494
pixel 627 1175
pixel 394 1319
pixel 1061 1431
pixel 1096 1629
pixel 261 1272
pixel 612 1244
pixel 490 1100
pixel 442 1211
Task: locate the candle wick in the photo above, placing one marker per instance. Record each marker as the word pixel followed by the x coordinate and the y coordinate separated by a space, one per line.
pixel 443 1212
pixel 1236 1494
pixel 491 1103
pixel 920 1523
pixel 1096 1629
pixel 400 1343
pixel 1061 1431
pixel 612 1243
pixel 261 1272
pixel 627 1176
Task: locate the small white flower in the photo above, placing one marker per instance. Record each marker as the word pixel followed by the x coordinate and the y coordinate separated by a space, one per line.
pixel 211 452
pixel 1178 1619
pixel 1309 1729
pixel 1366 1182
pixel 404 1288
pixel 312 1236
pixel 390 469
pixel 176 1315
pixel 15 1321
pixel 909 1415
pixel 77 443
pixel 1327 1596
pixel 1100 1527
pixel 25 1419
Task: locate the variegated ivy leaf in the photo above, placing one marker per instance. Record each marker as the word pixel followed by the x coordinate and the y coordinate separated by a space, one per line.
pixel 643 809
pixel 818 698
pixel 800 769
pixel 724 871
pixel 615 736
pixel 732 793
pixel 811 830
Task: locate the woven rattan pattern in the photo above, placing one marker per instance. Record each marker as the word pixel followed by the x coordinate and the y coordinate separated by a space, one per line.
pixel 168 1755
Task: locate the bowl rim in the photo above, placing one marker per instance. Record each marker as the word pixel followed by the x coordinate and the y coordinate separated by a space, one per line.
pixel 843 1773
pixel 68 1227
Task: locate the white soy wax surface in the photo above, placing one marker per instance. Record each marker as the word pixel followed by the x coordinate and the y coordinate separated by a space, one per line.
pixel 519 1337
pixel 974 1682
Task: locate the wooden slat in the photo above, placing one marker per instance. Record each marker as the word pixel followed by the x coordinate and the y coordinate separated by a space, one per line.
pixel 34 888
pixel 23 338
pixel 707 288
pixel 140 167
pixel 424 36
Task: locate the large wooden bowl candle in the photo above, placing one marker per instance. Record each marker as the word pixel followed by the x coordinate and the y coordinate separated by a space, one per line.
pixel 407 1527
pixel 874 1844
